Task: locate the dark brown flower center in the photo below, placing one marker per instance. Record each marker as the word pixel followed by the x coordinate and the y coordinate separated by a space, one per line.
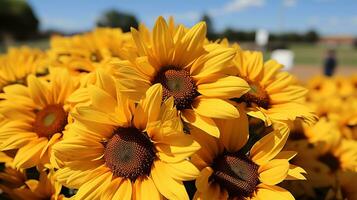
pixel 129 153
pixel 95 56
pixel 236 173
pixel 256 95
pixel 178 84
pixel 330 160
pixel 50 120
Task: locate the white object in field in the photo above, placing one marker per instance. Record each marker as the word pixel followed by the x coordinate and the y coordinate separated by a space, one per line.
pixel 284 57
pixel 261 37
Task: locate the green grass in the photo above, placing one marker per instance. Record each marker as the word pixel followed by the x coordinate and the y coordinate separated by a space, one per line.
pixel 305 54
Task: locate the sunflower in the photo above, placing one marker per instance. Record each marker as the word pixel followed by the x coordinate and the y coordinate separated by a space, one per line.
pixel 126 150
pixel 274 95
pixel 325 167
pixel 320 87
pixel 325 131
pixel 344 87
pixel 346 117
pixel 18 63
pixel 194 74
pixel 44 188
pixel 229 172
pixel 36 116
pixel 319 175
pixel 83 53
pixel 10 178
pixel 17 184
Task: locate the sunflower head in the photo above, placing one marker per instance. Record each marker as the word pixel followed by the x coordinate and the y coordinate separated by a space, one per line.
pixel 179 84
pixel 131 148
pixel 236 173
pixel 129 153
pixel 194 72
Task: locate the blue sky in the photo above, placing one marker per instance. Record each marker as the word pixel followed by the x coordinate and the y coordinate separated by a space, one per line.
pixel 328 17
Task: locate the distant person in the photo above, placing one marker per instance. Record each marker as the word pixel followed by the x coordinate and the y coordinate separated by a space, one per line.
pixel 330 63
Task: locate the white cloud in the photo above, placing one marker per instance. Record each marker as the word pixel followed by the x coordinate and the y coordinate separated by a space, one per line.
pixel 289 3
pixel 236 6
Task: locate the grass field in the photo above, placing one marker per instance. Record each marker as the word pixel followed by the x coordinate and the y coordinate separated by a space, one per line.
pixel 305 54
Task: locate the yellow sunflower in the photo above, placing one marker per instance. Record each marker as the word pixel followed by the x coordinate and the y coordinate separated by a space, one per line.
pixel 320 87
pixel 10 178
pixel 229 172
pixel 18 63
pixel 15 184
pixel 274 95
pixel 325 131
pixel 346 117
pixel 36 116
pixel 344 87
pixel 44 188
pixel 83 53
pixel 125 150
pixel 196 75
pixel 324 168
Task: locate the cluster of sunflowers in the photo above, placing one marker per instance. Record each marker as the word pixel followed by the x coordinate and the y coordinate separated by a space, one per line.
pixel 161 114
pixel 328 149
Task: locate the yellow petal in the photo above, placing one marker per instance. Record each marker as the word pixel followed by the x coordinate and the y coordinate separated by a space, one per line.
pixel 99 97
pixel 140 45
pixel 215 108
pixel 93 188
pixel 271 68
pixel 162 41
pixel 225 87
pixel 234 132
pixel 29 155
pixel 183 170
pixel 269 146
pixel 189 45
pixel 84 147
pixel 253 65
pixel 105 81
pixel 124 191
pixel 143 187
pixel 39 90
pixel 217 61
pixel 93 115
pixel 274 171
pixel 152 102
pixel 286 155
pixel 295 173
pixel 204 123
pixel 167 186
pixel 202 181
pixel 210 146
pixel 273 192
pixel 17 140
pixel 177 152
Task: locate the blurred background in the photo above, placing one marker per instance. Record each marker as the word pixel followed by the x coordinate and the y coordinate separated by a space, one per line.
pixel 305 35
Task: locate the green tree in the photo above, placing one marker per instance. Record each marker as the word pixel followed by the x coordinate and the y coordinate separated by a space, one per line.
pixel 17 19
pixel 114 18
pixel 312 36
